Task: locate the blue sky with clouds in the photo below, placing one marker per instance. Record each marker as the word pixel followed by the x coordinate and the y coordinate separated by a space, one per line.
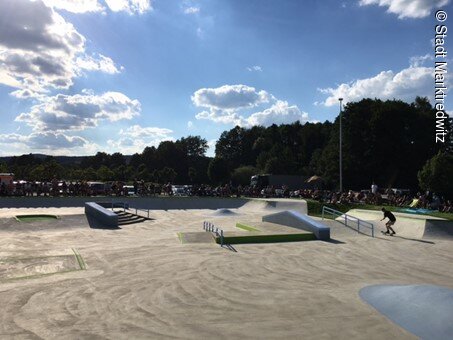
pixel 81 76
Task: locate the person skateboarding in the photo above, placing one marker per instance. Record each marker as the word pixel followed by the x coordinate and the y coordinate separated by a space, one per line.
pixel 390 222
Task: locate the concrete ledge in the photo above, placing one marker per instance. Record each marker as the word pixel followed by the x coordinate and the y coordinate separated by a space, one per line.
pixel 106 217
pixel 297 220
pixel 108 205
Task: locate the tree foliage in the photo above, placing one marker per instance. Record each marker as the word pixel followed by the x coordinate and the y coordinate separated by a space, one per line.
pixel 387 142
pixel 217 171
pixel 436 175
pixel 242 175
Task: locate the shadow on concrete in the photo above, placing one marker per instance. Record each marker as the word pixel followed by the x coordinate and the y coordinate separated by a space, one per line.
pixel 333 241
pixel 229 247
pixel 96 224
pixel 413 239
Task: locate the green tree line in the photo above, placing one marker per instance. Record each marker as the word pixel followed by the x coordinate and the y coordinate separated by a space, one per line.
pixel 391 143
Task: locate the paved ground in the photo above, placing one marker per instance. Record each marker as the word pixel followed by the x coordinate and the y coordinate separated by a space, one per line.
pixel 140 282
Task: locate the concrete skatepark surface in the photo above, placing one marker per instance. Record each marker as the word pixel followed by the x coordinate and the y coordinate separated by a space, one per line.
pixel 141 282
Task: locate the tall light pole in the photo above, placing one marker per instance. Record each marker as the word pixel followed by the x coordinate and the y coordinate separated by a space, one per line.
pixel 341 143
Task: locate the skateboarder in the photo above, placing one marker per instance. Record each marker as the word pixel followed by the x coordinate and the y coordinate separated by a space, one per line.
pixel 390 222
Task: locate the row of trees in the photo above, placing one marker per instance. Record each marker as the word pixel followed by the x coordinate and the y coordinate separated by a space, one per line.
pixel 390 143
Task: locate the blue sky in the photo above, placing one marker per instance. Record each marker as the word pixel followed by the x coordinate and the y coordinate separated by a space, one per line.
pixel 81 76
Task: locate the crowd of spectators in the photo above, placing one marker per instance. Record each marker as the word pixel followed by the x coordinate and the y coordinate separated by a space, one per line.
pixel 391 197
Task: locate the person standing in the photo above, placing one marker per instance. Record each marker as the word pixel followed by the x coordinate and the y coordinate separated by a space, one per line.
pixel 390 222
pixel 374 188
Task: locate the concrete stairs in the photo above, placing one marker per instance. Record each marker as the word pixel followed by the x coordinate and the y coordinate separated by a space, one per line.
pixel 125 218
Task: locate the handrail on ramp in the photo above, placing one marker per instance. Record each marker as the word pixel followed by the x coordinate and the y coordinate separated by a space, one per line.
pixel 360 223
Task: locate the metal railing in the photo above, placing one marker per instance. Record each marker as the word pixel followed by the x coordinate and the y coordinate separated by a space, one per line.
pixel 144 210
pixel 119 205
pixel 348 218
pixel 210 227
pixel 125 206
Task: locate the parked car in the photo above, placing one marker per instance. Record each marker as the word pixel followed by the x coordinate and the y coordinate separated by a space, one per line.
pixel 179 190
pixel 128 190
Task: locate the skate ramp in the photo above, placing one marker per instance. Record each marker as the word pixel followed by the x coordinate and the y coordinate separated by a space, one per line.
pixel 297 220
pixel 407 225
pixel 424 310
pixel 224 212
pixel 274 205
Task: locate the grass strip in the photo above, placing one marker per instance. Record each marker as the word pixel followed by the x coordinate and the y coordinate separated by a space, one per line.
pixel 246 227
pixel 79 259
pixel 267 238
pixel 181 237
pixel 34 218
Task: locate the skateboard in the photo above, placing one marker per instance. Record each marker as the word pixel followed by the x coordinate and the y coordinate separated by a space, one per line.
pixel 384 233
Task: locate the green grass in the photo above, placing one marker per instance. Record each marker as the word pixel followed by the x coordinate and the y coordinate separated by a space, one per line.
pixel 181 237
pixel 246 227
pixel 35 218
pixel 267 238
pixel 79 259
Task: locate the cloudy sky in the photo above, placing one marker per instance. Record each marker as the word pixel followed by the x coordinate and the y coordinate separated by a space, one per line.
pixel 81 76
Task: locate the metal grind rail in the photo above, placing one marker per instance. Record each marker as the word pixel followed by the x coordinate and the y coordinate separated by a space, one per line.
pixel 210 227
pixel 348 218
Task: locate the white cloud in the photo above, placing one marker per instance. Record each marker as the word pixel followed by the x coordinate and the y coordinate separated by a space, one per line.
pixel 136 138
pixel 38 46
pixel 219 116
pixel 226 105
pixel 27 94
pixel 102 64
pixel 278 113
pixel 404 85
pixel 210 152
pixel 53 143
pixel 408 8
pixel 129 6
pixel 137 131
pixel 420 60
pixel 76 6
pixel 190 125
pixel 229 97
pixel 40 51
pixel 192 10
pixel 201 21
pixel 254 68
pixel 84 6
pixel 78 112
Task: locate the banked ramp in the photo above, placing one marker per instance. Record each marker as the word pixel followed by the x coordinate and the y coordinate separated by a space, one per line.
pixel 297 220
pixel 409 225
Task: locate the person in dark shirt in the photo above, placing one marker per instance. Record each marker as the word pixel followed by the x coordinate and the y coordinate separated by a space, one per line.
pixel 390 222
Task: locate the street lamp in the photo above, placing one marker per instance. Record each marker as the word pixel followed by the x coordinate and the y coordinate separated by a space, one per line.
pixel 341 142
